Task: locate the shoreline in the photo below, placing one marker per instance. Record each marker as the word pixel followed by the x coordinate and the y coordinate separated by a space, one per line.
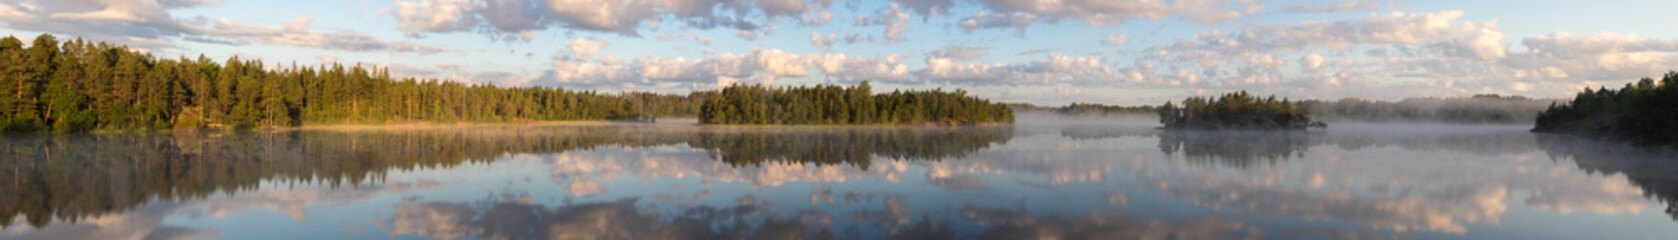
pixel 431 125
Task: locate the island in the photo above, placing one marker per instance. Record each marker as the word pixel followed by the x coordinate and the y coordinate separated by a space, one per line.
pixel 1236 111
pixel 835 105
pixel 1641 113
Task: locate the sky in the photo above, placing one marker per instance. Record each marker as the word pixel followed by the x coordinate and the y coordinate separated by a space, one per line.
pixel 1047 52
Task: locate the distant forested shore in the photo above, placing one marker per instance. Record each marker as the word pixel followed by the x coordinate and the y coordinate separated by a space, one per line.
pixel 1476 109
pixel 78 85
pixel 1641 113
pixel 830 104
pixel 1086 109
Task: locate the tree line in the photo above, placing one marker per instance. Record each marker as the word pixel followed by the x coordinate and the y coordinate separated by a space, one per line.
pixel 1236 110
pixel 79 85
pixel 1086 109
pixel 830 104
pixel 1640 113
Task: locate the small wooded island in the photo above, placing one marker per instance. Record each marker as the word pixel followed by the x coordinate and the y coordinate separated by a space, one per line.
pixel 1236 111
pixel 1641 113
pixel 828 104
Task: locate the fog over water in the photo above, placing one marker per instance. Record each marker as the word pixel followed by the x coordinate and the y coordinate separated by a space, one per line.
pixel 1046 176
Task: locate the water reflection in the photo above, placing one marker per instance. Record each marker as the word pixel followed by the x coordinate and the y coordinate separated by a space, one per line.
pixel 681 182
pixel 1651 170
pixel 1235 148
pixel 76 176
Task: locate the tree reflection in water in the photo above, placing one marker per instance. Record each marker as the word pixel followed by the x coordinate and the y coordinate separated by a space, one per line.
pixel 1650 169
pixel 1235 148
pixel 75 176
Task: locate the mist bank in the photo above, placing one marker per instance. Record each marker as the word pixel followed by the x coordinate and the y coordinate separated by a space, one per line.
pixel 1641 113
pixel 1477 109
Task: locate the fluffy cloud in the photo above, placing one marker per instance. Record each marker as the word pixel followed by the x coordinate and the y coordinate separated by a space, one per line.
pixel 1311 61
pixel 1341 6
pixel 147 24
pixel 584 49
pixel 143 24
pixel 763 66
pixel 1056 69
pixel 824 43
pixel 1438 53
pixel 436 15
pixel 895 20
pixel 1596 56
pixel 297 33
pixel 512 17
pixel 1106 13
pixel 1117 39
pixel 1411 29
pixel 982 20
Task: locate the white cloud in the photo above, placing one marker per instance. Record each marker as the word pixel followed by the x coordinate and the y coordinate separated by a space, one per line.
pixel 893 18
pixel 1311 61
pixel 760 66
pixel 1107 13
pixel 436 15
pixel 147 24
pixel 142 23
pixel 1057 68
pixel 983 20
pixel 623 17
pixel 1090 12
pixel 816 19
pixel 297 33
pixel 584 49
pixel 824 43
pixel 1117 39
pixel 1341 6
pixel 1596 56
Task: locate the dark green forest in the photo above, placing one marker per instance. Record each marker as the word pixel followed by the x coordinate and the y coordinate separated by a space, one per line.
pixel 1236 110
pixel 829 104
pixel 78 85
pixel 1640 113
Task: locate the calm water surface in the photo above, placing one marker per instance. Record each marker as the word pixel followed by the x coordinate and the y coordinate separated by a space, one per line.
pixel 673 181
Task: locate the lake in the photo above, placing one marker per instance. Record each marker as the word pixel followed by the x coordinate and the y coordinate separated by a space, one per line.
pixel 1069 180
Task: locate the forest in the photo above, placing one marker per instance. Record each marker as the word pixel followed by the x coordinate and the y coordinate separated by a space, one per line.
pixel 829 104
pixel 1640 113
pixel 78 85
pixel 1477 109
pixel 1236 110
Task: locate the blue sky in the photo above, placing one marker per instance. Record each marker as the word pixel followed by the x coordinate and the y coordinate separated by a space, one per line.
pixel 1038 51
